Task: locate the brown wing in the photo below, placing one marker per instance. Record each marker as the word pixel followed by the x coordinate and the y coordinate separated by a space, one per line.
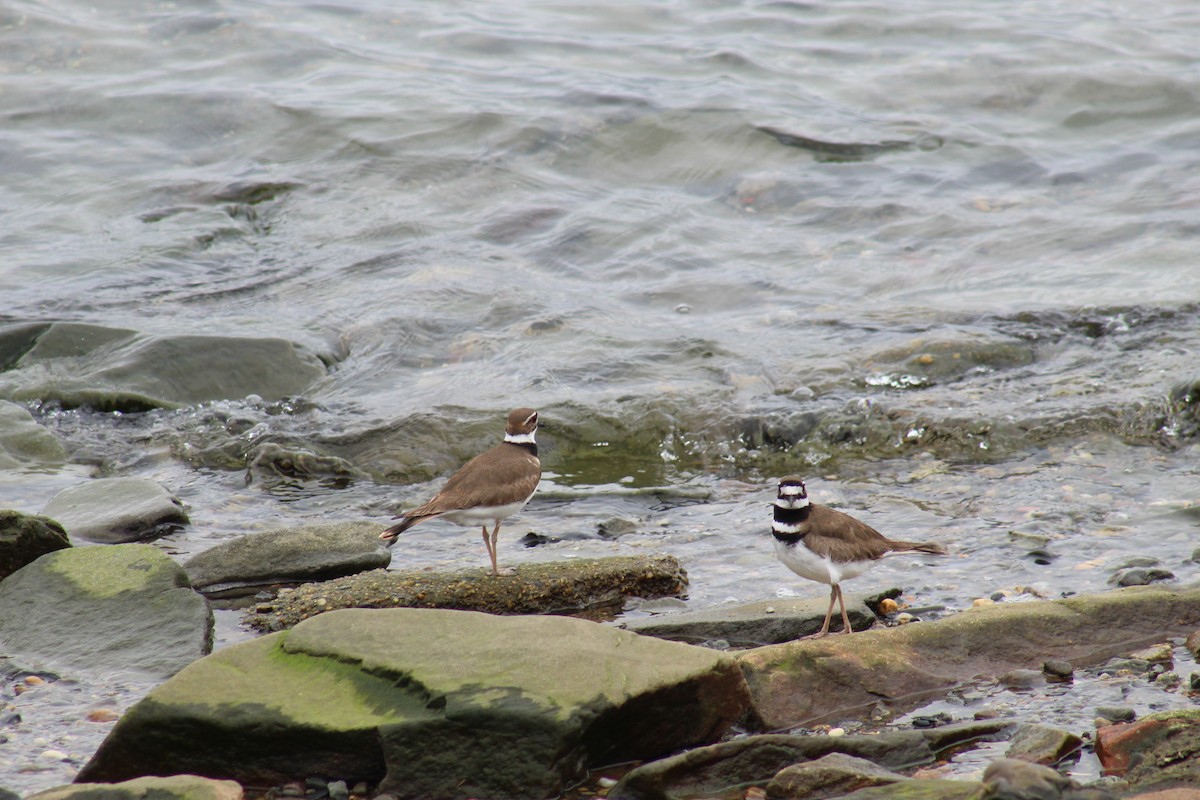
pixel 842 537
pixel 491 478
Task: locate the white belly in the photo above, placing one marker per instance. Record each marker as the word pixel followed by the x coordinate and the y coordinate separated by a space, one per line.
pixel 478 516
pixel 807 564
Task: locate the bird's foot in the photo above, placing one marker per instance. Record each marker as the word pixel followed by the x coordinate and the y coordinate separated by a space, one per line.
pixel 503 572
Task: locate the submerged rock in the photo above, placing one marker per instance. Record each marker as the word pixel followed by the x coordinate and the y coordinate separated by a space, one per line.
pixel 550 588
pixel 111 510
pixel 124 607
pixel 24 538
pixel 907 665
pixel 175 787
pixel 753 624
pixel 435 703
pixel 113 369
pixel 313 552
pixel 1042 744
pixel 23 441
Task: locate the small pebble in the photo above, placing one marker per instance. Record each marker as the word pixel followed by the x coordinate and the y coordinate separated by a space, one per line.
pixel 1194 682
pixel 1117 713
pixel 756 793
pixel 904 618
pixel 606 782
pixel 338 790
pixel 1058 670
pixel 983 601
pixel 34 680
pixel 836 732
pixel 54 755
pixel 102 715
pixel 888 606
pixel 360 789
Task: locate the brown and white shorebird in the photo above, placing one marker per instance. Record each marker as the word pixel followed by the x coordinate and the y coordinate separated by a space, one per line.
pixel 827 546
pixel 490 487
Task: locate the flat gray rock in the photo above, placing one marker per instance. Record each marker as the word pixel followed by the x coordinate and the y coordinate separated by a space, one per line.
pixel 446 704
pixel 123 607
pixel 23 441
pixel 113 510
pixel 25 538
pixel 314 552
pixel 753 624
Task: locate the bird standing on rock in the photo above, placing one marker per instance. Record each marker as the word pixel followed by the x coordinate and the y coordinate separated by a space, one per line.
pixel 827 546
pixel 489 488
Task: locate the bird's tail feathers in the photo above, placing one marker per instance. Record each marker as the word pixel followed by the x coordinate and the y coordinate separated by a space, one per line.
pixel 932 548
pixel 390 535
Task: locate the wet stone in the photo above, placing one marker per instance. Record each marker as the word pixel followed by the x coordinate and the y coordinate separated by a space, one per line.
pixel 1192 643
pixel 115 510
pixel 1116 713
pixel 1058 670
pixel 1156 654
pixel 1022 679
pixel 1042 744
pixel 24 538
pixel 1140 576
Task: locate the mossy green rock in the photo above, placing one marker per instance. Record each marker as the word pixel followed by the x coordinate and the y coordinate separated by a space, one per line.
pixel 910 664
pixel 124 607
pixel 24 538
pixel 174 787
pixel 113 369
pixel 464 704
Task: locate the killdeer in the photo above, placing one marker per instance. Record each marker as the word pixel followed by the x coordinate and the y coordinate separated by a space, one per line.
pixel 827 546
pixel 490 487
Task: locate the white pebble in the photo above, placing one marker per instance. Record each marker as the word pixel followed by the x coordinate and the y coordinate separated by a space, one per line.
pixel 54 755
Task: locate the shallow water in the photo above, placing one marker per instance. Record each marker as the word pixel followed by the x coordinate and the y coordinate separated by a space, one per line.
pixel 938 258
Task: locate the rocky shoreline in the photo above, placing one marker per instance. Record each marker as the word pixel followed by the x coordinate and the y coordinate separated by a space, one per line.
pixel 344 701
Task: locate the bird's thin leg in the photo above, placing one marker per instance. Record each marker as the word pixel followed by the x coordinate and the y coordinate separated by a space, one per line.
pixel 492 549
pixel 491 554
pixel 845 617
pixel 828 614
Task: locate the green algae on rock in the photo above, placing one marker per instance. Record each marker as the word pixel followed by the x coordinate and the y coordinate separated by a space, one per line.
pixel 465 704
pixel 121 607
pixel 24 538
pixel 565 586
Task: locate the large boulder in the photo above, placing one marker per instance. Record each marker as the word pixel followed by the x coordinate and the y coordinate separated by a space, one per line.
pixel 23 441
pixel 114 510
pixel 435 703
pixel 25 538
pixel 907 665
pixel 124 607
pixel 557 587
pixel 76 364
pixel 315 552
